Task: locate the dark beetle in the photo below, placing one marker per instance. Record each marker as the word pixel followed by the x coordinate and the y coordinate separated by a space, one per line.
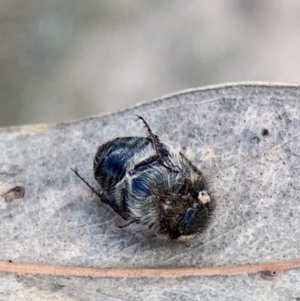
pixel 147 182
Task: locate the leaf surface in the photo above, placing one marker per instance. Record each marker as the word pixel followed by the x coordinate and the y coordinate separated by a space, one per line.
pixel 245 138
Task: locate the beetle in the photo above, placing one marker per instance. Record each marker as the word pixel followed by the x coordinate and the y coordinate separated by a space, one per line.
pixel 147 182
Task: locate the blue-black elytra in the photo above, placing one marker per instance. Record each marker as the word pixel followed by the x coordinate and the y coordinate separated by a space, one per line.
pixel 147 182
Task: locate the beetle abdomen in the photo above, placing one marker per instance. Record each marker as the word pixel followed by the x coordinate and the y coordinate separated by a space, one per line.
pixel 114 158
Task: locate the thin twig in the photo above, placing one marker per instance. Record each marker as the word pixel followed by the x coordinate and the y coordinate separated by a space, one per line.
pixel 67 271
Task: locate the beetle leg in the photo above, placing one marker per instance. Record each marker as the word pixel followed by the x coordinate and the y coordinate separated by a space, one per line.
pixel 160 149
pixel 129 223
pixel 101 196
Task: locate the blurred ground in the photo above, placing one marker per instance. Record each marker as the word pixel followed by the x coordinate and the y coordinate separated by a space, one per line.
pixel 62 60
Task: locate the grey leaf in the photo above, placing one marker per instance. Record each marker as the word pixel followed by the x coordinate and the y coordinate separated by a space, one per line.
pixel 244 137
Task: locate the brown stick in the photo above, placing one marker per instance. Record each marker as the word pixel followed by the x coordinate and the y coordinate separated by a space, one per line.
pixel 67 271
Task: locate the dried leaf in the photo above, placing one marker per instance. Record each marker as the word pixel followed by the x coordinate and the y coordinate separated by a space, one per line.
pixel 244 137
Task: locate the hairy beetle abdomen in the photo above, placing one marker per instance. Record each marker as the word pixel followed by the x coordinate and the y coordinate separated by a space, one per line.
pixel 116 157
